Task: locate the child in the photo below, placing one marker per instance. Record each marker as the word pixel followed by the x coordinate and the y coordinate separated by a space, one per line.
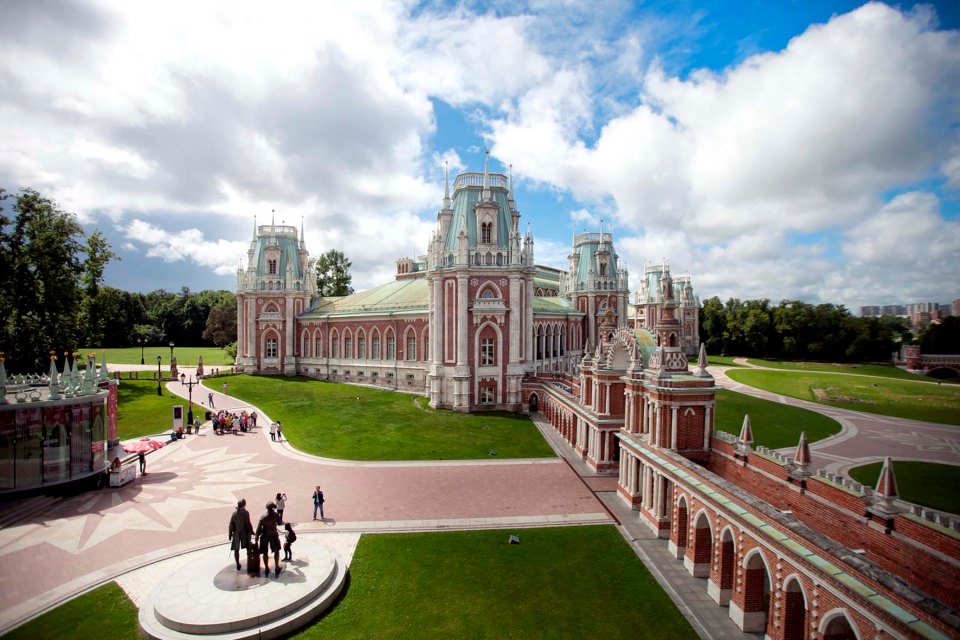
pixel 289 538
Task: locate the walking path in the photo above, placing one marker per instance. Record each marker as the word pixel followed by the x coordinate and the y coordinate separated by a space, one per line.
pixel 864 437
pixel 145 530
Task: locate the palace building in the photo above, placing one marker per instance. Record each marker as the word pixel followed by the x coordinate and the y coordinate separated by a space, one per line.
pixel 789 551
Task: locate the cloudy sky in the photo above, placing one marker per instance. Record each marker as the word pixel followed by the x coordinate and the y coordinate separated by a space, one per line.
pixel 794 149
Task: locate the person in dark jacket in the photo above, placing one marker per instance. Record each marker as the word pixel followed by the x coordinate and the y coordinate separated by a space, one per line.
pixel 268 537
pixel 240 530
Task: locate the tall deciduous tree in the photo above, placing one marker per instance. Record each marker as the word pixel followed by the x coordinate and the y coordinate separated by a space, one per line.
pixel 45 264
pixel 333 274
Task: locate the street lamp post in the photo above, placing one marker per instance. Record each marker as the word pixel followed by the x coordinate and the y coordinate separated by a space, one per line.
pixel 140 340
pixel 159 392
pixel 171 351
pixel 189 385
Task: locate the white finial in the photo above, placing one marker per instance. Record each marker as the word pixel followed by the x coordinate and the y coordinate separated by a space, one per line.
pixel 273 213
pixel 301 228
pixel 446 182
pixel 510 186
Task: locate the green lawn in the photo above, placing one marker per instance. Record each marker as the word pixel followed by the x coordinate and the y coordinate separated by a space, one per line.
pixel 891 397
pixel 726 361
pixel 774 425
pixel 564 582
pixel 558 582
pixel 882 370
pixel 925 483
pixel 358 423
pixel 186 356
pixel 141 412
pixel 105 611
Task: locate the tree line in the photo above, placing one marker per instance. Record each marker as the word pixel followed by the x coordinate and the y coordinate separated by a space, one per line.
pixel 52 297
pixel 794 330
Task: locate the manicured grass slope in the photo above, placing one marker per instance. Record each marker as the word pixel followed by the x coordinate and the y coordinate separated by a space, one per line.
pixel 186 356
pixel 900 398
pixel 774 425
pixel 565 582
pixel 882 370
pixel 141 412
pixel 105 612
pixel 358 423
pixel 925 483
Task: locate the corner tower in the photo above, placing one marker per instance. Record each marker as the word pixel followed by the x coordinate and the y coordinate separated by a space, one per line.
pixel 597 285
pixel 480 272
pixel 272 291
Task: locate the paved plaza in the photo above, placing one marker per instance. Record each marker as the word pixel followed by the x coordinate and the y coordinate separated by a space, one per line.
pixel 146 530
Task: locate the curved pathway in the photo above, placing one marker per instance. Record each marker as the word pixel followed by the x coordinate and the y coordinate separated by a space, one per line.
pixel 191 487
pixel 864 437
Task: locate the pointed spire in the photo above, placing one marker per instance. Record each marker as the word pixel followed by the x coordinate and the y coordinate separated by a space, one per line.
pixel 802 456
pixel 104 374
pixel 254 226
pixel 446 185
pixel 486 175
pixel 301 228
pixel 702 361
pixel 273 213
pixel 746 433
pixel 887 482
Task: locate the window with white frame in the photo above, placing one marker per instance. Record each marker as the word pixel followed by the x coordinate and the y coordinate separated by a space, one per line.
pixel 271 348
pixel 335 346
pixel 411 353
pixel 318 347
pixel 488 355
pixel 486 395
pixel 391 348
pixel 348 347
pixel 361 347
pixel 375 348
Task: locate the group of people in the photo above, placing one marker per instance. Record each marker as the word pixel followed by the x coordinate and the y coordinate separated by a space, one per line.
pixel 266 537
pixel 276 431
pixel 225 422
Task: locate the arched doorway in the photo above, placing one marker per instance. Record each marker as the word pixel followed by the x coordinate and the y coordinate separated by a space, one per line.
pixel 697 559
pixel 678 540
pixel 835 625
pixel 794 609
pixel 721 582
pixel 752 617
pixel 534 403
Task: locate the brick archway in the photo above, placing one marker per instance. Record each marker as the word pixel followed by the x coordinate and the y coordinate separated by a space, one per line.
pixel 697 558
pixel 721 579
pixel 751 609
pixel 836 625
pixel 794 609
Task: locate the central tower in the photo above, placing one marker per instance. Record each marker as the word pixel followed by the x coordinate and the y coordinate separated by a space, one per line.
pixel 480 273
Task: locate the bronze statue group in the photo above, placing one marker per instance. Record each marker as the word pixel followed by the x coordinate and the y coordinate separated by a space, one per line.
pixel 266 537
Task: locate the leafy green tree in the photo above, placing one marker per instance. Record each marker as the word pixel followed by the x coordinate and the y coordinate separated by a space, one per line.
pixel 713 325
pixel 221 327
pixel 44 266
pixel 333 274
pixel 942 338
pixel 95 319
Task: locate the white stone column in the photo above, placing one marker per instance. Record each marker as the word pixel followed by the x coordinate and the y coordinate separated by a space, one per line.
pixel 706 427
pixel 673 426
pixel 462 313
pixel 515 325
pixel 252 336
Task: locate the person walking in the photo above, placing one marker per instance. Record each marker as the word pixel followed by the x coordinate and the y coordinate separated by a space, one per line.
pixel 273 431
pixel 281 503
pixel 143 462
pixel 224 388
pixel 240 530
pixel 317 502
pixel 279 431
pixel 268 538
pixel 210 400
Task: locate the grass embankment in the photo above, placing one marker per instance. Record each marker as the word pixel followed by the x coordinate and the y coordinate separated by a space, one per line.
pixel 925 483
pixel 186 356
pixel 141 412
pixel 103 611
pixel 359 423
pixel 725 361
pixel 774 425
pixel 558 582
pixel 880 370
pixel 889 397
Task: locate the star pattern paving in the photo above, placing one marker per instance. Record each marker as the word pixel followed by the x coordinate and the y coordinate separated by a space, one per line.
pixel 204 480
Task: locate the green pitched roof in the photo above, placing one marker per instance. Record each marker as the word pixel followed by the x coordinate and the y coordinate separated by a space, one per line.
pixel 400 295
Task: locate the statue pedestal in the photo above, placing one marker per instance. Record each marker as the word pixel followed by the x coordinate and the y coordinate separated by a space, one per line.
pixel 210 599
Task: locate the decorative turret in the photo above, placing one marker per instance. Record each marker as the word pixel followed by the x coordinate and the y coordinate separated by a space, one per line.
pixel 885 494
pixel 745 440
pixel 702 362
pixel 801 459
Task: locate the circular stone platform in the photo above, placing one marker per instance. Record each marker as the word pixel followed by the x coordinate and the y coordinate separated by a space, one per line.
pixel 209 598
